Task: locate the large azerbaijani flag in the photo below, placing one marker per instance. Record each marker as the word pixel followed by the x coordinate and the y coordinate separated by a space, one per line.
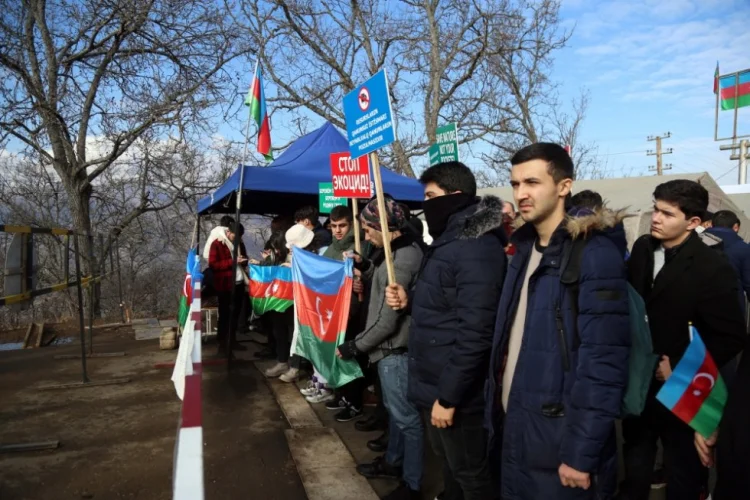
pixel 256 101
pixel 322 295
pixel 695 391
pixel 187 287
pixel 735 90
pixel 270 289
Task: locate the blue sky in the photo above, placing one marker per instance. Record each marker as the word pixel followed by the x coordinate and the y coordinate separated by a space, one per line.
pixel 649 67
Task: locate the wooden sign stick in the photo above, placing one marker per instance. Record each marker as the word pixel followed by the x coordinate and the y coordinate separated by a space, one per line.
pixel 383 217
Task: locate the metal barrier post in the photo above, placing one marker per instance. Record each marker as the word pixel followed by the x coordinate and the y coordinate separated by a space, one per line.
pixel 80 308
pixel 92 284
pixel 119 279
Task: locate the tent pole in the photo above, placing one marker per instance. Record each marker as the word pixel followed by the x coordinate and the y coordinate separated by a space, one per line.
pixel 235 254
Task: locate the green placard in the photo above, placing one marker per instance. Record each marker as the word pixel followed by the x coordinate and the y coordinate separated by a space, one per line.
pixel 446 146
pixel 326 200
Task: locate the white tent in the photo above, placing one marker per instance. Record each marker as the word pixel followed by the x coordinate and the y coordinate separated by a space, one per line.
pixel 635 193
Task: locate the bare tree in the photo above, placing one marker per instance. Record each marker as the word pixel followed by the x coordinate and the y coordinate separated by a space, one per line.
pixel 113 73
pixel 532 110
pixel 436 54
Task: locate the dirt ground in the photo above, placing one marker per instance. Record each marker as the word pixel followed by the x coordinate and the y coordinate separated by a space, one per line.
pixel 117 441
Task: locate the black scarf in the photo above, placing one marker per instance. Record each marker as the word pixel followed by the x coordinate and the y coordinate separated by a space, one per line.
pixel 438 210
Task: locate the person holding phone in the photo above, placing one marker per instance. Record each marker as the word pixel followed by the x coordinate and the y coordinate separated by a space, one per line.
pixel 221 243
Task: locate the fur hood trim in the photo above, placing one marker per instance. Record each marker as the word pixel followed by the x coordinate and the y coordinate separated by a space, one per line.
pixel 581 222
pixel 599 220
pixel 487 218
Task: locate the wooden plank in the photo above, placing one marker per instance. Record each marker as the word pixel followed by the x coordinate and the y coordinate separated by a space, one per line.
pixel 40 327
pixel 77 385
pixel 28 334
pixel 37 446
pixel 92 355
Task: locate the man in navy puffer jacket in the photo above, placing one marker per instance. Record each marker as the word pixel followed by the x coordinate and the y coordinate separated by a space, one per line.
pixel 453 308
pixel 557 376
pixel 725 224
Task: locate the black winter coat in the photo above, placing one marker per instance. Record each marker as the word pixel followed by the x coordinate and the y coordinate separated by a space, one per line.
pixel 453 309
pixel 733 447
pixel 698 285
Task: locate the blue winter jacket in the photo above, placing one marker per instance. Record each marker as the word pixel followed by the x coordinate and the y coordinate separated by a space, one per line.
pixel 567 387
pixel 453 309
pixel 738 253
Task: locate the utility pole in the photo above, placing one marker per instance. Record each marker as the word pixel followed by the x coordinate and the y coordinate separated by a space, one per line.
pixel 659 152
pixel 743 156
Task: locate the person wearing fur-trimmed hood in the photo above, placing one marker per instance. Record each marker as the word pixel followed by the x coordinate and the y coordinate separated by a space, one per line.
pixel 453 306
pixel 558 370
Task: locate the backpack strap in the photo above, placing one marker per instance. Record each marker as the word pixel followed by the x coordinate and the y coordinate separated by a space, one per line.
pixel 570 276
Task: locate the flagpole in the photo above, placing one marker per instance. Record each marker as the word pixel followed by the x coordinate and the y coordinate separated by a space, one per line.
pixel 717 85
pixel 238 239
pixel 736 104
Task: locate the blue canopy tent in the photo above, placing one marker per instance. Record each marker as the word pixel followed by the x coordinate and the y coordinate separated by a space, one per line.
pixel 291 181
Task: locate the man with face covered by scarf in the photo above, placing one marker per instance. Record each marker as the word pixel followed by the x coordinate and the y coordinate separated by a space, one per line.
pixel 453 307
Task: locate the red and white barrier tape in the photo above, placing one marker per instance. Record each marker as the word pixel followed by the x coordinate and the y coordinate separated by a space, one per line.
pixel 188 463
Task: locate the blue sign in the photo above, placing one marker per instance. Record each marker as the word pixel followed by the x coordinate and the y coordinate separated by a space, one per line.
pixel 368 115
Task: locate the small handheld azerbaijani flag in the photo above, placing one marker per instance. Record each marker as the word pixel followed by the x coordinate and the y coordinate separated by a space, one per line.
pixel 695 391
pixel 322 295
pixel 270 289
pixel 187 288
pixel 256 101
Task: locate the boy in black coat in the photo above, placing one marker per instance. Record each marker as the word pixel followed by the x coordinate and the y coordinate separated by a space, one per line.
pixel 682 281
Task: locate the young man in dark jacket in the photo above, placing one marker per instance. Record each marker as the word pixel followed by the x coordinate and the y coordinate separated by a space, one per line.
pixel 682 281
pixel 453 308
pixel 385 339
pixel 558 369
pixel 308 216
pixel 725 224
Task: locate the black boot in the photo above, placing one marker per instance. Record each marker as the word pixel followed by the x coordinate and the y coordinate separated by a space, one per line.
pixel 379 469
pixel 403 492
pixel 371 423
pixel 379 444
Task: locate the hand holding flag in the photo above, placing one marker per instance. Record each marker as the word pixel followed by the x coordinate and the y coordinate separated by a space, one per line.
pixel 695 392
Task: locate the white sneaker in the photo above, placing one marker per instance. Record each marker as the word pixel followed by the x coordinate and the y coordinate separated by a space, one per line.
pixel 290 376
pixel 276 370
pixel 322 396
pixel 310 389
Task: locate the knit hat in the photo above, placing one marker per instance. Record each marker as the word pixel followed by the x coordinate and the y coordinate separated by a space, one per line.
pixel 394 215
pixel 298 236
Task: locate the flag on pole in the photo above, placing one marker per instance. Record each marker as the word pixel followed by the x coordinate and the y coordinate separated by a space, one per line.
pixel 187 288
pixel 256 101
pixel 322 295
pixel 695 391
pixel 270 289
pixel 735 90
pixel 716 78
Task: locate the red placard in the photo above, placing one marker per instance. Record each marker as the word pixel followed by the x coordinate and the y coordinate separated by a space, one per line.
pixel 350 178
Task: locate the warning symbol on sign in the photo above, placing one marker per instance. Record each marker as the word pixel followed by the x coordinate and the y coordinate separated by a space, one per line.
pixel 364 99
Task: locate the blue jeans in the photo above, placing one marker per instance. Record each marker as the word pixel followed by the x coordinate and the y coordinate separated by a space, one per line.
pixel 406 440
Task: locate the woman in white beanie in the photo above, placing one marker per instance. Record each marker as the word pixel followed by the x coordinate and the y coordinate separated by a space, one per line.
pixel 286 368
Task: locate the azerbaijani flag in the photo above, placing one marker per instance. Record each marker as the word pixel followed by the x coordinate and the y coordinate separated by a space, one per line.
pixel 256 101
pixel 270 289
pixel 187 288
pixel 322 295
pixel 695 391
pixel 735 89
pixel 716 78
